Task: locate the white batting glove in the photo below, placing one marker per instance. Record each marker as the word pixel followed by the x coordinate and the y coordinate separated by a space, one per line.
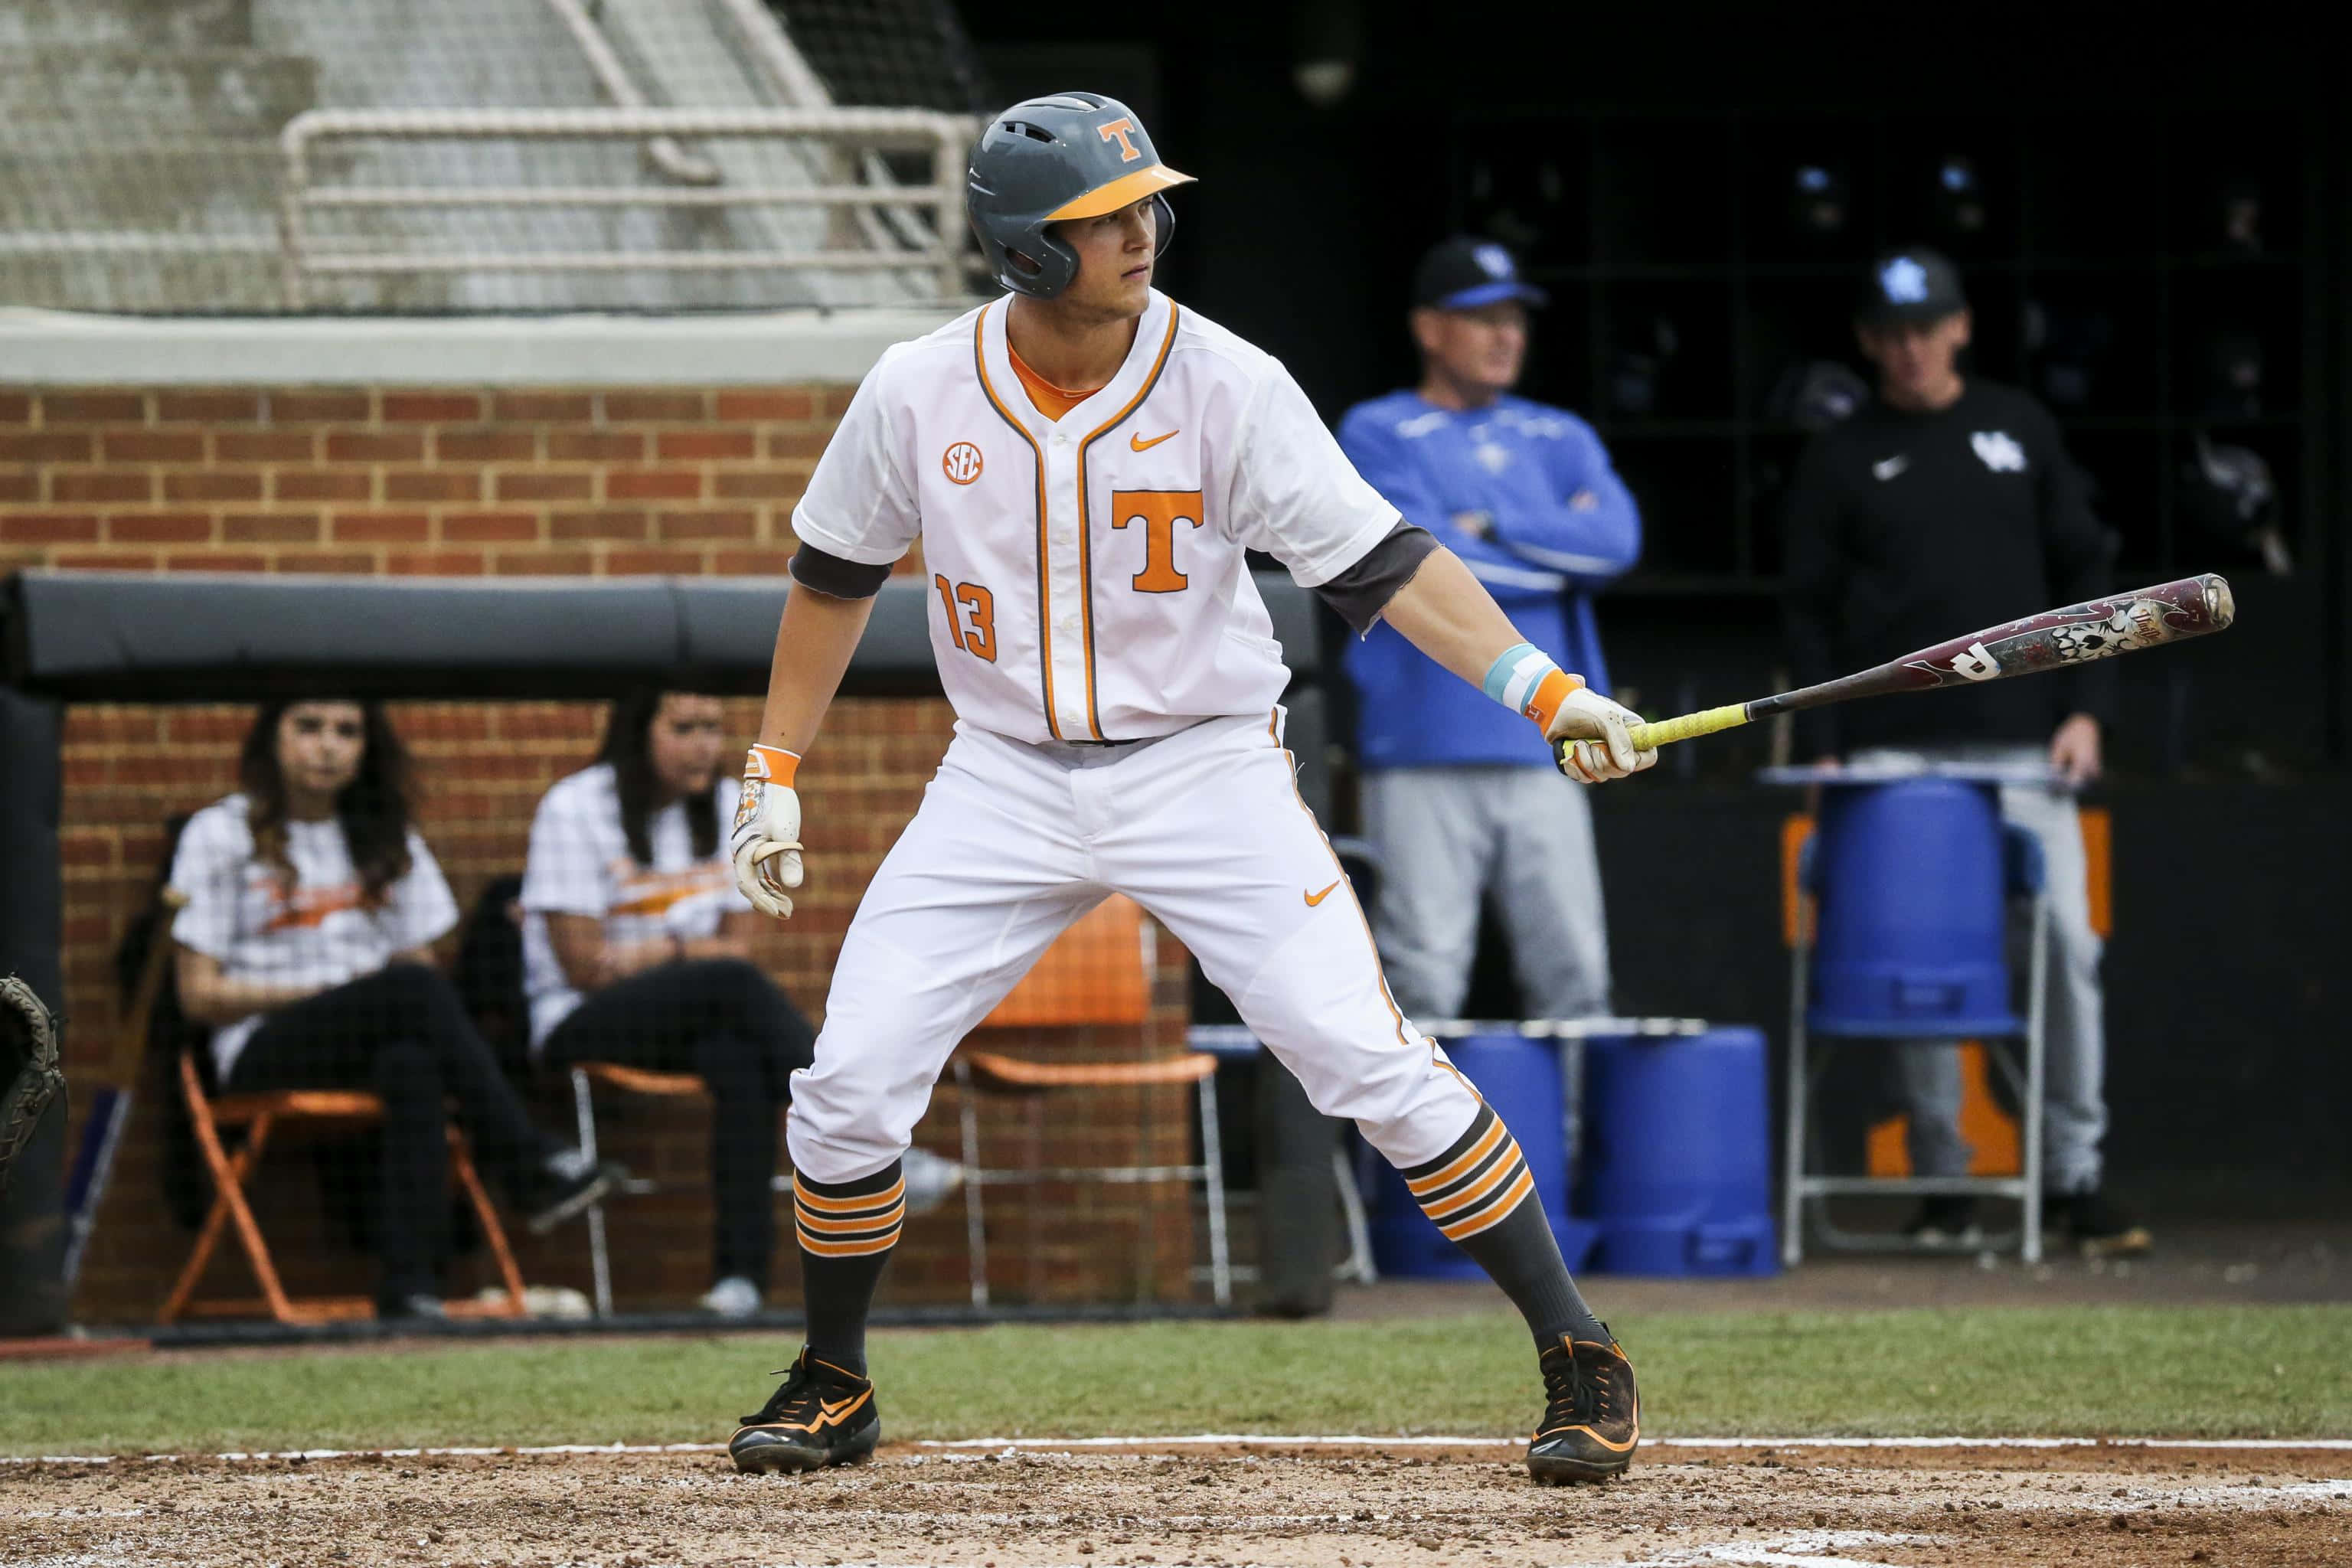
pixel 1601 749
pixel 766 839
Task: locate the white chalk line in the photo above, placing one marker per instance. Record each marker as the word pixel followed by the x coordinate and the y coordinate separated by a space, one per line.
pixel 1211 1439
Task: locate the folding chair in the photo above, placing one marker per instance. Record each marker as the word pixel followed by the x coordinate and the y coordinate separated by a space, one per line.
pixel 626 1080
pixel 1927 868
pixel 257 1115
pixel 1098 971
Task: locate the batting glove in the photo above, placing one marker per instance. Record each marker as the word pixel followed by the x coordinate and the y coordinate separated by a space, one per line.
pixel 1597 748
pixel 766 839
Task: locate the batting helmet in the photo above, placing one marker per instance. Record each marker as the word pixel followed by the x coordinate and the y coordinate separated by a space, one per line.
pixel 1071 155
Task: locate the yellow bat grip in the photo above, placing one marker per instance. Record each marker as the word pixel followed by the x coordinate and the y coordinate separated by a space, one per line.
pixel 1688 727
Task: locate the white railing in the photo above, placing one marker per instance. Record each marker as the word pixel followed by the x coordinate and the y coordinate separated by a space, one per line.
pixel 306 256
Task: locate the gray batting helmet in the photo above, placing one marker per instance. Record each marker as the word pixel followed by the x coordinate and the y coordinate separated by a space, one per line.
pixel 1071 155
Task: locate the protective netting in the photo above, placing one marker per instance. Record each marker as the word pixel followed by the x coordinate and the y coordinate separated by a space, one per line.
pixel 147 162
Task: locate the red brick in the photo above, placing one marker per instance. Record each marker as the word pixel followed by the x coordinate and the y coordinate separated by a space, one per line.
pixel 48 527
pixel 158 528
pixel 651 562
pixel 317 408
pixel 16 408
pixel 212 408
pixel 434 484
pixel 375 447
pixel 24 484
pixel 653 484
pixel 270 527
pixel 544 562
pixel 46 446
pixel 381 528
pixel 610 524
pixel 621 407
pixel 595 446
pixel 485 446
pixel 342 562
pixel 490 527
pixel 809 442
pixel 752 562
pixel 93 407
pixel 705 446
pixel 434 564
pixel 104 560
pixel 685 525
pixel 758 484
pixel 153 447
pixel 102 484
pixel 781 402
pixel 221 561
pixel 264 445
pixel 211 484
pixel 539 485
pixel 421 407
pixel 836 399
pixel 549 406
pixel 322 484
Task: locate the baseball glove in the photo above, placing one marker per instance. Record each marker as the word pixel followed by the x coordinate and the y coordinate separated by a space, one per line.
pixel 29 1075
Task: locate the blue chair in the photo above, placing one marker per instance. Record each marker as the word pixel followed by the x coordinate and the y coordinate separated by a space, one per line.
pixel 1908 883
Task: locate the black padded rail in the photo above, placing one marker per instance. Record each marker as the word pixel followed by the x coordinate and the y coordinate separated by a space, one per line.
pixel 112 637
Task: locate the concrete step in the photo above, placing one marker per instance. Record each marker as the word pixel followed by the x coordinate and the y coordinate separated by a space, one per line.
pixel 148 23
pixel 215 91
pixel 194 183
pixel 178 284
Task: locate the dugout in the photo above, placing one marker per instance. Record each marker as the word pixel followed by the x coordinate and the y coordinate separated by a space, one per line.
pixel 92 642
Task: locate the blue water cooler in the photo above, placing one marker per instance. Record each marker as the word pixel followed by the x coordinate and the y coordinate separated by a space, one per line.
pixel 1521 1078
pixel 1677 1157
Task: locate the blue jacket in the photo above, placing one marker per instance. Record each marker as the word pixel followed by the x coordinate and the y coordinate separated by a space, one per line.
pixel 1561 524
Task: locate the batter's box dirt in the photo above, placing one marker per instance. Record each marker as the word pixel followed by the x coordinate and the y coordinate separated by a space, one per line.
pixel 1785 1508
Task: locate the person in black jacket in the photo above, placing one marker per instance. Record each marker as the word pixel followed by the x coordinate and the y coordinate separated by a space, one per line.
pixel 1945 502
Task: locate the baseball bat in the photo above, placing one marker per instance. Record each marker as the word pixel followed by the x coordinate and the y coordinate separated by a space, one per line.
pixel 2054 640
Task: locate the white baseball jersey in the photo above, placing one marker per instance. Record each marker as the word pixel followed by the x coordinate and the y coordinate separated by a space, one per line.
pixel 321 931
pixel 1089 580
pixel 580 864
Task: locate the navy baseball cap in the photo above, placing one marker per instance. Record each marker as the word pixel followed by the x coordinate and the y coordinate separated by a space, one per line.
pixel 1463 273
pixel 1911 286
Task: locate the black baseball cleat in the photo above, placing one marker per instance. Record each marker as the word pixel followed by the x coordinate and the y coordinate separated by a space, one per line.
pixel 2098 1225
pixel 820 1415
pixel 1593 1419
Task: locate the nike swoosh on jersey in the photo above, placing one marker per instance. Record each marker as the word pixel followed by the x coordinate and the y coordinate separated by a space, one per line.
pixel 1315 898
pixel 1887 468
pixel 1136 442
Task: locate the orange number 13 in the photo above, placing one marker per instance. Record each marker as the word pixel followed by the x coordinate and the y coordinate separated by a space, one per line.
pixel 977 637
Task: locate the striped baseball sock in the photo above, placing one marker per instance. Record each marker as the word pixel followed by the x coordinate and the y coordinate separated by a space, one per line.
pixel 847 1231
pixel 1480 1196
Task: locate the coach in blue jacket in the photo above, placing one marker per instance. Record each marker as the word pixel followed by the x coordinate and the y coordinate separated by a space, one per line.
pixel 1461 795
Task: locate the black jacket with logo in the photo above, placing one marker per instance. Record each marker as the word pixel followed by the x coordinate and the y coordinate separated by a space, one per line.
pixel 1904 529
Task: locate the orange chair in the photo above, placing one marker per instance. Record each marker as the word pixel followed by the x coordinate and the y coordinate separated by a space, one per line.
pixel 1097 971
pixel 586 1075
pixel 257 1115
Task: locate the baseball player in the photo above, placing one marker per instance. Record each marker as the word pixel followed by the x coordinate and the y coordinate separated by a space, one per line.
pixel 1086 463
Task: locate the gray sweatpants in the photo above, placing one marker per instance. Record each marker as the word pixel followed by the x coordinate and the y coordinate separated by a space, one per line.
pixel 1450 836
pixel 2074 1110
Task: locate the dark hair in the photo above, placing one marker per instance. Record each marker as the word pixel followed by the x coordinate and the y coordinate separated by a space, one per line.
pixel 628 746
pixel 373 809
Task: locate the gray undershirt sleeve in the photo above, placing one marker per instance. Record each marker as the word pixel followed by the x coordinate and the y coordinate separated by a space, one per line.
pixel 834 577
pixel 1361 592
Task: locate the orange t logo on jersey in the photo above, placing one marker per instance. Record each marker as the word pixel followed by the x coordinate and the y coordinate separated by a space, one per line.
pixel 1159 511
pixel 961 462
pixel 1117 131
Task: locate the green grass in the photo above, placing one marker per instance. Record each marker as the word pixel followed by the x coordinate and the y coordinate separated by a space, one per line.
pixel 2268 1372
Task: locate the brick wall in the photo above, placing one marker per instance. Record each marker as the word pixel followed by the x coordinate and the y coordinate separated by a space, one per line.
pixel 473 481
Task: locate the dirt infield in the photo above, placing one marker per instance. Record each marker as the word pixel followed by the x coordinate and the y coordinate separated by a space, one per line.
pixel 1791 1507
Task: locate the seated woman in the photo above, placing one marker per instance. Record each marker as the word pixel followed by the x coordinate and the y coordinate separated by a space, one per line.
pixel 309 902
pixel 636 951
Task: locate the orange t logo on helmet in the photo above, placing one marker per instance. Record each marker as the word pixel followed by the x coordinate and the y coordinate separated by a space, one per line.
pixel 1119 129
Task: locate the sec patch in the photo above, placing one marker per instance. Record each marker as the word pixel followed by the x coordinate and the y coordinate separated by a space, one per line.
pixel 961 463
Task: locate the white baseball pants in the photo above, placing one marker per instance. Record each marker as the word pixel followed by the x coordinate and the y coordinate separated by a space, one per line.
pixel 1207 831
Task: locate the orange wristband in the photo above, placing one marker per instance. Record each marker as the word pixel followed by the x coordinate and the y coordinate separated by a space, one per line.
pixel 772 764
pixel 1549 693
